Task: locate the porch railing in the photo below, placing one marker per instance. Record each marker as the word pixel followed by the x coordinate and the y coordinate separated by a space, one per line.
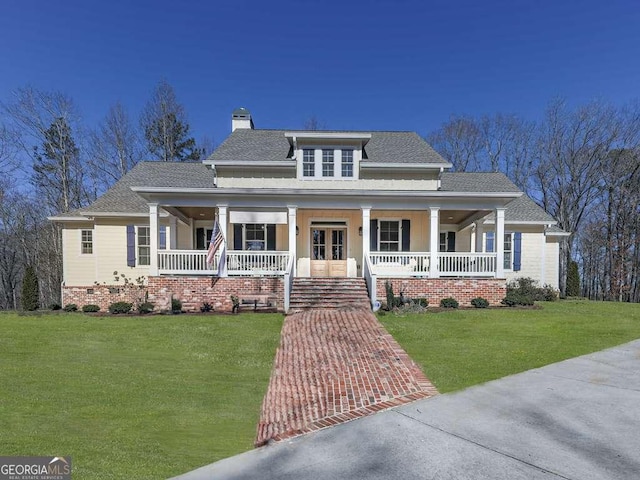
pixel 409 264
pixel 467 264
pixel 239 262
pixel 416 264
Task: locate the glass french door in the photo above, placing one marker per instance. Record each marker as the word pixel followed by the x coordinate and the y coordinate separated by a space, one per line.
pixel 328 252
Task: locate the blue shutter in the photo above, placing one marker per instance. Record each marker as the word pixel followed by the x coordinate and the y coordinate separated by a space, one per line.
pixel 517 251
pixel 406 235
pixel 271 237
pixel 373 235
pixel 131 246
pixel 490 242
pixel 163 238
pixel 237 236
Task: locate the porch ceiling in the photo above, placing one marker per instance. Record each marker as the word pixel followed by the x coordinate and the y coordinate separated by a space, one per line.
pixel 459 216
pixel 198 213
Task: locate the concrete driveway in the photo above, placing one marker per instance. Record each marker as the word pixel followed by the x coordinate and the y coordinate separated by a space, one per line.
pixel 578 419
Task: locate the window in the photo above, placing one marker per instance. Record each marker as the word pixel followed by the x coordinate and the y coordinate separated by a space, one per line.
pixel 327 163
pixel 162 245
pixel 144 246
pixel 255 237
pixel 447 242
pixel 86 242
pixel 308 162
pixel 347 163
pixel 389 236
pixel 508 250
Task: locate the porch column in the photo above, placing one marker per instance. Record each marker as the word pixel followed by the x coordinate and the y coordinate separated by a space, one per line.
pixel 434 241
pixel 222 220
pixel 173 233
pixel 479 235
pixel 293 240
pixel 154 236
pixel 366 234
pixel 500 242
pixel 472 248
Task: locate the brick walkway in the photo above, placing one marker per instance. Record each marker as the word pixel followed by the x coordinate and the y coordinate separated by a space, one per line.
pixel 333 366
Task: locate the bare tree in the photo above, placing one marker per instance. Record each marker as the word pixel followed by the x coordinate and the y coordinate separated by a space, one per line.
pixel 459 140
pixel 313 123
pixel 165 127
pixel 571 148
pixel 114 147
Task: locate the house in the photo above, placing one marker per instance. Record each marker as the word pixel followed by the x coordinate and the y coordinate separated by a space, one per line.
pixel 374 205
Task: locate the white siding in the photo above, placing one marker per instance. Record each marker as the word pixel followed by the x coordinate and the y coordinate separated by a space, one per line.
pixel 78 268
pixel 552 258
pixel 533 253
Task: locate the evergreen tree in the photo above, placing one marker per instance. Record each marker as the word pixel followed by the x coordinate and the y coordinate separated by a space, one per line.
pixel 166 129
pixel 30 289
pixel 573 280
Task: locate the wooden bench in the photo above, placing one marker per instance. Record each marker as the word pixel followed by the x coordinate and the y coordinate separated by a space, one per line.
pixel 255 300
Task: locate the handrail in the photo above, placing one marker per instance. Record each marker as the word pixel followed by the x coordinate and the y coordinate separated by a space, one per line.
pixel 370 279
pixel 239 262
pixel 288 283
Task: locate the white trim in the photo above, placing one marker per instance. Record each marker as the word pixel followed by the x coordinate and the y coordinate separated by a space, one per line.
pixel 404 166
pixel 93 241
pixel 245 216
pixel 389 219
pixel 250 163
pixel 523 222
pixel 320 135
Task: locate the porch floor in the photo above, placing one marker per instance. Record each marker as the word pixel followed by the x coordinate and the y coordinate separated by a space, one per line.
pixel 333 366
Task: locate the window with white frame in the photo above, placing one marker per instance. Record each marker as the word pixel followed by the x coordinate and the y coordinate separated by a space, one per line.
pixel 447 242
pixel 389 236
pixel 508 247
pixel 144 245
pixel 508 251
pixel 255 236
pixel 327 163
pixel 346 161
pixel 86 242
pixel 308 162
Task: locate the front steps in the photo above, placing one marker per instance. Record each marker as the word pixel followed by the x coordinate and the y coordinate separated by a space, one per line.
pixel 328 292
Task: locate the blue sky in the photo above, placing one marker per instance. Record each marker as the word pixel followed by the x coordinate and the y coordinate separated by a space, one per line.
pixel 400 65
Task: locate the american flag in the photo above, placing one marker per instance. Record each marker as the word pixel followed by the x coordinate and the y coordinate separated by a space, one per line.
pixel 217 240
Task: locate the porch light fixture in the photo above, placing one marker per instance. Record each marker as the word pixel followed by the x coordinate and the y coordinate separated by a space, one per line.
pixel 360 231
pixel 297 230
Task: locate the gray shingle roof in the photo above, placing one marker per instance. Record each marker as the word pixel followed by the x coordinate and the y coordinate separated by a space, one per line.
pixel 477 182
pixel 120 197
pixel 272 145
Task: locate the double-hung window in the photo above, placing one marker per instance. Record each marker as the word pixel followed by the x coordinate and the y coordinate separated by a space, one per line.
pixel 389 236
pixel 508 251
pixel 255 236
pixel 86 242
pixel 347 163
pixel 308 162
pixel 327 163
pixel 144 246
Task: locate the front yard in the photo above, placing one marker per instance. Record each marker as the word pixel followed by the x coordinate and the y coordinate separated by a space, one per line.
pixel 133 397
pixel 461 348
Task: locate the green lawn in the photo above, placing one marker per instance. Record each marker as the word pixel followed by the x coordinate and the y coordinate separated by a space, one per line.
pixel 461 348
pixel 133 397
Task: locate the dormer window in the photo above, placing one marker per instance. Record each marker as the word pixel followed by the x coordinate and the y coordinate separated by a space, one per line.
pixel 347 163
pixel 327 163
pixel 309 162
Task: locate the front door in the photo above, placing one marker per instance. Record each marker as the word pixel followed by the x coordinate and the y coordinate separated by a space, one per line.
pixel 328 255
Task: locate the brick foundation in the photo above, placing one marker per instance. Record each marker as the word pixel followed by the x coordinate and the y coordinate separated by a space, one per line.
pixel 435 289
pixel 102 295
pixel 194 291
pixel 191 291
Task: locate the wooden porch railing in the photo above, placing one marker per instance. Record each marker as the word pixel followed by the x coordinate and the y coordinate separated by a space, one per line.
pixel 416 264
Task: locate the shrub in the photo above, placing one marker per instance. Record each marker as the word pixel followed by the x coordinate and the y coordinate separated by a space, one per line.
pixel 549 294
pixel 514 298
pixel 90 308
pixel 449 302
pixel 145 307
pixel 176 305
pixel 423 302
pixel 206 307
pixel 29 297
pixel 70 307
pixel 480 302
pixel 120 307
pixel 528 292
pixel 55 306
